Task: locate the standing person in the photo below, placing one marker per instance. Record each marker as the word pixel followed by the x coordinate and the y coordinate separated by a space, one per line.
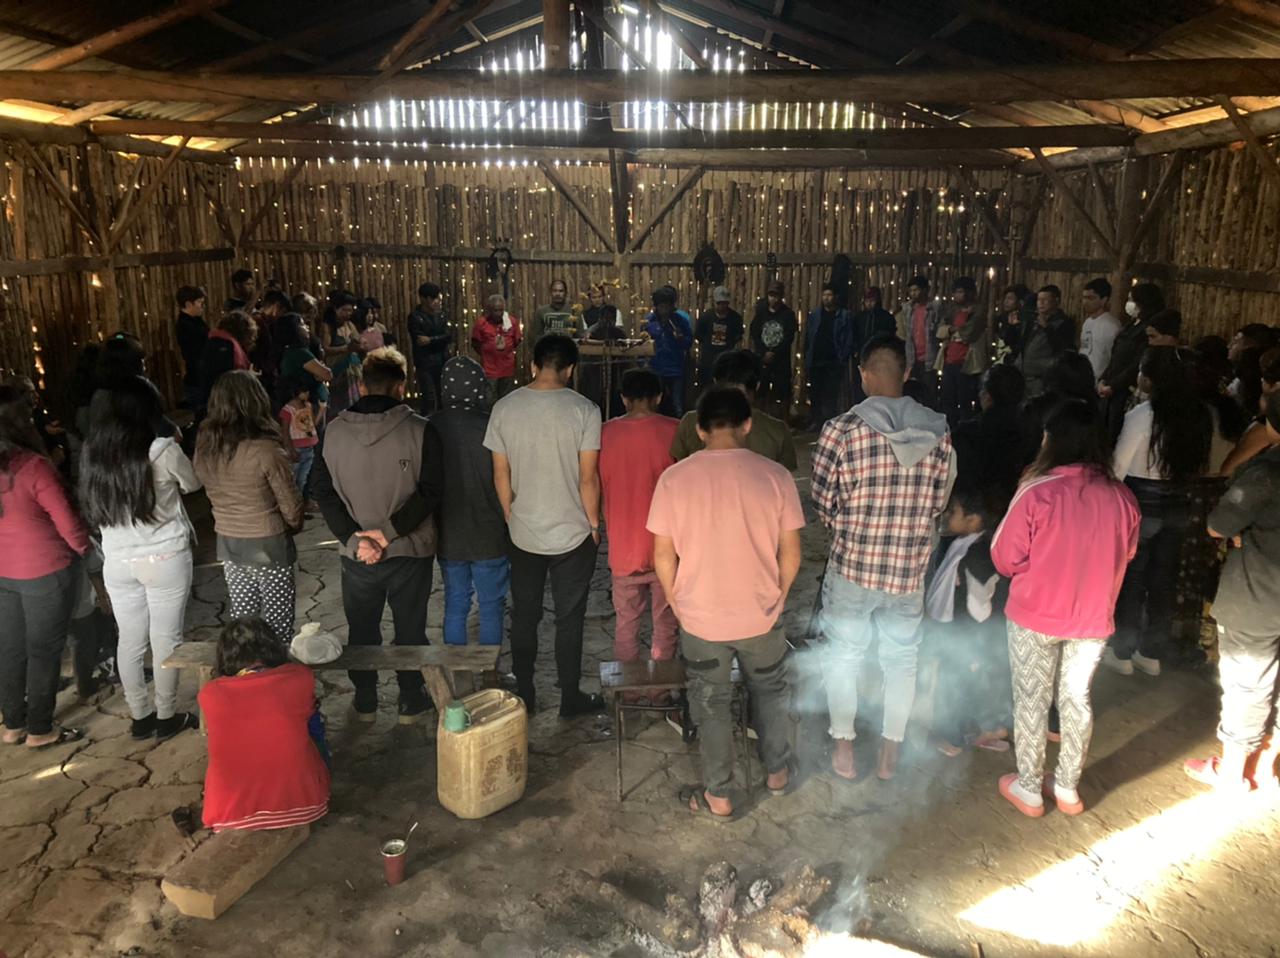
pixel 726 527
pixel 545 440
pixel 473 544
pixel 298 426
pixel 1009 323
pixel 121 362
pixel 342 352
pixel 769 436
pixel 773 334
pixel 300 365
pixel 1070 522
pixel 131 485
pixel 378 480
pixel 1098 334
pixel 672 337
pixel 265 355
pixel 193 333
pixel 431 337
pixel 244 292
pixel 1256 438
pixel 556 316
pixel 962 337
pixel 635 450
pixel 1162 450
pixel 869 322
pixel 989 449
pixel 882 474
pixel 496 337
pixel 1165 328
pixel 41 541
pixel 1118 380
pixel 256 504
pixel 719 330
pixel 828 344
pixel 917 326
pixel 1247 611
pixel 266 764
pixel 228 349
pixel 1052 334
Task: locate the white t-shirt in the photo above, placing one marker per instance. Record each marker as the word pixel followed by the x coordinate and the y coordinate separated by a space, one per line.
pixel 1096 340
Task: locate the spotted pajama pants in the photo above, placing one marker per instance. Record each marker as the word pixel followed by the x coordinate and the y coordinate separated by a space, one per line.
pixel 1037 660
pixel 262 590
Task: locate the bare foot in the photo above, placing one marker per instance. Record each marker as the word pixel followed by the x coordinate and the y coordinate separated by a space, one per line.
pixel 719 806
pixel 842 760
pixel 35 741
pixel 888 765
pixel 778 780
pixel 944 746
pixel 12 736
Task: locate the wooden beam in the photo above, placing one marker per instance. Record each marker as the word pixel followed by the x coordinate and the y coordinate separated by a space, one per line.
pixel 980 201
pixel 944 32
pixel 1260 153
pixel 1254 9
pixel 1033 214
pixel 397 251
pixel 229 232
pixel 60 191
pixel 277 189
pixel 655 11
pixel 253 36
pixel 1168 182
pixel 972 138
pixel 125 33
pixel 87 264
pixel 1005 84
pixel 1109 221
pixel 620 190
pixel 683 186
pixel 395 59
pixel 810 40
pixel 1060 183
pixel 121 226
pixel 555 34
pixel 575 201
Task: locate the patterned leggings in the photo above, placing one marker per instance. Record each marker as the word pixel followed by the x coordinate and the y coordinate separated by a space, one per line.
pixel 262 590
pixel 1037 660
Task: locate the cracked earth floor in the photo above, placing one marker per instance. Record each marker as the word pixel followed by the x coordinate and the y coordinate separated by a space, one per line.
pixel 932 861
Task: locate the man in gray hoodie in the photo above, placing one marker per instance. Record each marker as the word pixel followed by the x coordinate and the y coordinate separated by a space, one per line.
pixel 882 473
pixel 378 480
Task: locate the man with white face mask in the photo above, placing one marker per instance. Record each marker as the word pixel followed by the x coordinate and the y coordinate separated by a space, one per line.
pixel 1121 375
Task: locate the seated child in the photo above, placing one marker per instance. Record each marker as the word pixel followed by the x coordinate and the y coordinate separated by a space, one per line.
pixel 267 767
pixel 965 628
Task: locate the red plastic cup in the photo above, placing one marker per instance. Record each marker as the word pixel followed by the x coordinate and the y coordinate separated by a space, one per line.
pixel 393 855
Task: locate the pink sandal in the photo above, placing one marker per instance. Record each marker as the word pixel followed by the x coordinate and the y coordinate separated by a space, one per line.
pixel 1006 785
pixel 1067 808
pixel 1208 771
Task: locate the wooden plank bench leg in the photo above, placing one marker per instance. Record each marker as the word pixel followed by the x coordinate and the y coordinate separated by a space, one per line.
pixel 439 685
pixel 222 870
pixel 205 677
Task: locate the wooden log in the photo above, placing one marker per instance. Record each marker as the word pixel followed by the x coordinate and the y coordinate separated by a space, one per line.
pixel 61 192
pixel 555 34
pixel 395 59
pixel 125 33
pixel 1265 158
pixel 971 138
pixel 223 870
pixel 401 658
pixel 87 264
pixel 127 216
pixel 682 187
pixel 575 201
pixel 1005 84
pixel 1064 189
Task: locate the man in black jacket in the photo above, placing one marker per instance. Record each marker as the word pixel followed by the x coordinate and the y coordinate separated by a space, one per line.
pixel 193 333
pixel 1052 334
pixel 378 481
pixel 431 338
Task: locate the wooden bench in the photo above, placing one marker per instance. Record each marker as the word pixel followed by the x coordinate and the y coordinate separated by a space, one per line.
pixel 438 663
pixel 222 870
pixel 619 678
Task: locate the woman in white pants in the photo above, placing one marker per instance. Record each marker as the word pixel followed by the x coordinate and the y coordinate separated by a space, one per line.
pixel 131 486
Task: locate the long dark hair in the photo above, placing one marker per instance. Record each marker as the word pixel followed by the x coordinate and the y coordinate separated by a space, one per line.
pixel 248 642
pixel 1181 424
pixel 1073 436
pixel 17 432
pixel 239 411
pixel 287 332
pixel 121 359
pixel 117 486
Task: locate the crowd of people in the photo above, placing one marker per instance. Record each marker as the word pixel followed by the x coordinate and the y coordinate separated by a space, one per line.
pixel 1015 498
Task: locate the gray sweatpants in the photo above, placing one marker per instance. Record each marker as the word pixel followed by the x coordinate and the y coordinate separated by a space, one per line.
pixel 1036 660
pixel 1249 669
pixel 762 660
pixel 149 599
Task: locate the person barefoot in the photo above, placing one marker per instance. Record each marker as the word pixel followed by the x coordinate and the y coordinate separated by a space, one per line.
pixel 887 767
pixel 842 762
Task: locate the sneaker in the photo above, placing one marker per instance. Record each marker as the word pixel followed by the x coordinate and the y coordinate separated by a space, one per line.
pixel 143 728
pixel 413 707
pixel 1116 664
pixel 366 706
pixel 1144 664
pixel 178 722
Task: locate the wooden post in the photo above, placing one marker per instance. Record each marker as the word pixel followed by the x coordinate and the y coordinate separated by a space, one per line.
pixel 555 34
pixel 1064 188
pixel 1132 178
pixel 1260 153
pixel 682 187
pixel 575 201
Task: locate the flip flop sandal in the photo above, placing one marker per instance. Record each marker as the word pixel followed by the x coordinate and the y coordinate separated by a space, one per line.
pixel 791 781
pixel 992 744
pixel 1006 784
pixel 65 735
pixel 22 737
pixel 698 793
pixel 1208 771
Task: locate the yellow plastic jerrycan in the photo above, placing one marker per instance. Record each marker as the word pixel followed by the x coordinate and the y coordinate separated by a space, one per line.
pixel 482 768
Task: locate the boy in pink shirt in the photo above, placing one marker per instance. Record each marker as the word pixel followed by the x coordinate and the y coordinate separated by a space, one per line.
pixel 727 523
pixel 634 452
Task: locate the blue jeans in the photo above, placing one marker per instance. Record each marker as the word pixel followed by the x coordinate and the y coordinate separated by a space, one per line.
pixel 302 468
pixel 851 617
pixel 488 580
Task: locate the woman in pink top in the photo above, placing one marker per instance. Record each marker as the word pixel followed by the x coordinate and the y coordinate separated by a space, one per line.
pixel 1065 542
pixel 41 541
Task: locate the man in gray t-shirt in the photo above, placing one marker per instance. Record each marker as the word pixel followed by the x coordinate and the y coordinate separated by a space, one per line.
pixel 545 440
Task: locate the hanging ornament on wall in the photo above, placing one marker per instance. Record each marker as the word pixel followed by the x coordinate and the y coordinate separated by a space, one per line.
pixel 708 267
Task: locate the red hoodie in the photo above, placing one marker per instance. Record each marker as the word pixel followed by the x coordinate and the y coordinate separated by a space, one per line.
pixel 40 530
pixel 497 343
pixel 1065 543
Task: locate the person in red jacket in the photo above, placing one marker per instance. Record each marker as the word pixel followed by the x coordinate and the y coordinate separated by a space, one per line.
pixel 1064 545
pixel 496 337
pixel 41 541
pixel 266 767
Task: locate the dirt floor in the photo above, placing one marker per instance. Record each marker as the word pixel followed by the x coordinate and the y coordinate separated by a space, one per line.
pixel 933 861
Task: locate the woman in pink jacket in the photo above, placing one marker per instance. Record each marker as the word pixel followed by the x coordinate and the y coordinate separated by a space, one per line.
pixel 1064 544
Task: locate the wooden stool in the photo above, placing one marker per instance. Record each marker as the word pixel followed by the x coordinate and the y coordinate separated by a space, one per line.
pixel 618 678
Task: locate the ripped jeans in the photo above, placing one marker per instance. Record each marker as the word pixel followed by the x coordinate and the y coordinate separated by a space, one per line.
pixel 763 661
